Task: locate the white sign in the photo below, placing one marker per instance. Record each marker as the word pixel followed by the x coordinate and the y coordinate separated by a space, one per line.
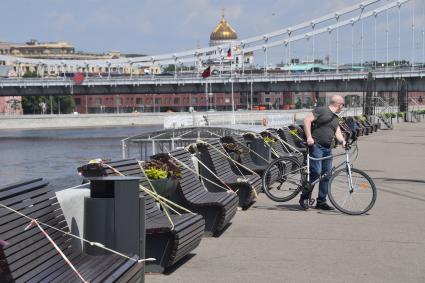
pixel 178 121
pixel 278 120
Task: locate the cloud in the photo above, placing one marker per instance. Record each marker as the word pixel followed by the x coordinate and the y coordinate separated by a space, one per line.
pixel 64 21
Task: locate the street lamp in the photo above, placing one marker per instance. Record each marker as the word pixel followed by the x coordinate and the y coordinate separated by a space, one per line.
pixel 233 104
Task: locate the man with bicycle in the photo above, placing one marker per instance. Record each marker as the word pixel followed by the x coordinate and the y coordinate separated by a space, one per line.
pixel 321 126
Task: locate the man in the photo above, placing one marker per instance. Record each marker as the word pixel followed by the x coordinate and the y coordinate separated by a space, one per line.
pixel 320 127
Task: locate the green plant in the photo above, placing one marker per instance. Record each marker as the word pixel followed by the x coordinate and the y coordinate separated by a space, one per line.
pixel 390 115
pixel 269 139
pixel 156 174
pixel 400 114
pixel 162 166
pixel 293 132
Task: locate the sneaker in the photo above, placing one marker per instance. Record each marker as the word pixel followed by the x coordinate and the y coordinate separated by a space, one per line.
pixel 304 203
pixel 324 206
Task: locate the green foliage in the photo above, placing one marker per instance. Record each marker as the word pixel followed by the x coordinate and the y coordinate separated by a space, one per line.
pixel 400 114
pixel 156 174
pixel 269 140
pixel 161 167
pixel 390 115
pixel 29 74
pixel 32 104
pixel 169 69
pixel 298 104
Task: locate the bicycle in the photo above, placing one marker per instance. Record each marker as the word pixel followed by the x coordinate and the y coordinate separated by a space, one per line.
pixel 350 190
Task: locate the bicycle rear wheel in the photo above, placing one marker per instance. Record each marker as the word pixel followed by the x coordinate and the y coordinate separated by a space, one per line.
pixel 283 179
pixel 356 201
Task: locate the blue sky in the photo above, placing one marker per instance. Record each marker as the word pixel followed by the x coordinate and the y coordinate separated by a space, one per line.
pixel 164 26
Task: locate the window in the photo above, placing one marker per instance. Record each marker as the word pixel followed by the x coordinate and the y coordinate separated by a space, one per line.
pixel 267 99
pixel 194 100
pixel 98 101
pixel 77 101
pixel 138 100
pixel 157 100
pixel 176 100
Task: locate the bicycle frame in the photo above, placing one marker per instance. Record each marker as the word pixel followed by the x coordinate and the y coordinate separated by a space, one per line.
pixel 346 163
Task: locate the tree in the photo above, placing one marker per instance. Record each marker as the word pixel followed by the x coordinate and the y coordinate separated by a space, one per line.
pixel 29 74
pixel 298 104
pixel 169 69
pixel 33 104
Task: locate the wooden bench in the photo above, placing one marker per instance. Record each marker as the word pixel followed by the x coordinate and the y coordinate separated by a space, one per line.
pixel 375 126
pixel 29 255
pixel 163 242
pixel 219 164
pixel 246 160
pixel 281 150
pixel 353 124
pixel 368 129
pixel 217 208
pixel 284 134
pixel 245 157
pixel 363 120
pixel 346 130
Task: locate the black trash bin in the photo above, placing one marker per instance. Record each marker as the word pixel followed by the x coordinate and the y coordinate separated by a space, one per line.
pixel 114 215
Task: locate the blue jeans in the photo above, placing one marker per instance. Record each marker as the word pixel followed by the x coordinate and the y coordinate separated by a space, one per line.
pixel 319 167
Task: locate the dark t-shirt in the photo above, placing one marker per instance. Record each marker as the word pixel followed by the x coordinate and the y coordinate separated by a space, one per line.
pixel 324 126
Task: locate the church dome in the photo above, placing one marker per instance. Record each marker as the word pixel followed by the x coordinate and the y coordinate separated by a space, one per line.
pixel 223 32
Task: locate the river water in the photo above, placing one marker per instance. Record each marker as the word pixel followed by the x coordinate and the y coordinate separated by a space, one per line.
pixel 55 154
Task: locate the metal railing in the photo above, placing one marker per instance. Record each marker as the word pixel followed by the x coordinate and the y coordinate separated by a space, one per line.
pixel 195 78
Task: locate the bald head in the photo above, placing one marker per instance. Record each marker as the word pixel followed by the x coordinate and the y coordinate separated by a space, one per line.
pixel 337 103
pixel 336 99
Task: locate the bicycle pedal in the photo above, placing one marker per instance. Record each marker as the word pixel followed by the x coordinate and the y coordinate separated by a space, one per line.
pixel 312 201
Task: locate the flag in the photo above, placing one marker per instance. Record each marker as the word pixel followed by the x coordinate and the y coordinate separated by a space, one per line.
pixel 207 72
pixel 78 78
pixel 229 53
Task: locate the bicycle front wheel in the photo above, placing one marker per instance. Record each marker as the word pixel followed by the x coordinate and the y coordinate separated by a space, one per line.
pixel 354 200
pixel 282 179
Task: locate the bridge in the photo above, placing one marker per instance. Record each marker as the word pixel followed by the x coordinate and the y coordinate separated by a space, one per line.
pixel 386 81
pixel 371 72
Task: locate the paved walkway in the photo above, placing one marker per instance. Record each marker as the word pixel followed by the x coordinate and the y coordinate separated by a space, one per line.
pixel 274 242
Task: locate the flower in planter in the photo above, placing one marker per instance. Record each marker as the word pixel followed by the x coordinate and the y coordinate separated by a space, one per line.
pixel 164 163
pixel 163 172
pixel 268 138
pixel 155 170
pixel 233 147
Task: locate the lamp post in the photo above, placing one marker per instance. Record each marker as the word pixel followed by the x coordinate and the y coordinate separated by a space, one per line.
pixel 233 104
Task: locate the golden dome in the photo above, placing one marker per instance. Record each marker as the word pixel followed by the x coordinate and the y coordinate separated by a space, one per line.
pixel 223 31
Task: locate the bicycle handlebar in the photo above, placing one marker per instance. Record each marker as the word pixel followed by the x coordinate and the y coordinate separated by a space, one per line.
pixel 347 144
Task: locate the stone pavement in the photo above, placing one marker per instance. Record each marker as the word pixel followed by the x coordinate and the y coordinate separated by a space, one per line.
pixel 276 242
